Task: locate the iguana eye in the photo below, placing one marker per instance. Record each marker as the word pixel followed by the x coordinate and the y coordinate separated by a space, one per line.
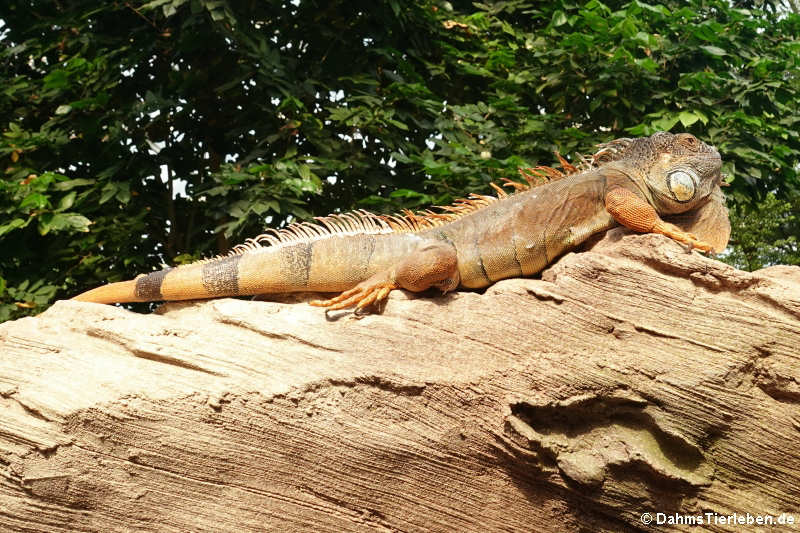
pixel 682 185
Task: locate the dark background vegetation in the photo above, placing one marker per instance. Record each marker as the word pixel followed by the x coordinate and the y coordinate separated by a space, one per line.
pixel 136 134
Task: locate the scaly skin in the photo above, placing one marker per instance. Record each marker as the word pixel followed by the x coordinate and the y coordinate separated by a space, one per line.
pixel 634 183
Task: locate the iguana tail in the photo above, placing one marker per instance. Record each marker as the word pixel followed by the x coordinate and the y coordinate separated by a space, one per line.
pixel 206 279
pixel 124 291
pixel 330 263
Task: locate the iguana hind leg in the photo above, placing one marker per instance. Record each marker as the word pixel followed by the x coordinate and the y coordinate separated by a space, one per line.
pixel 636 214
pixel 432 264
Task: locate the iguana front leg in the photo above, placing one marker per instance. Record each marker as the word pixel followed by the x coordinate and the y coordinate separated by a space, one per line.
pixel 433 264
pixel 638 215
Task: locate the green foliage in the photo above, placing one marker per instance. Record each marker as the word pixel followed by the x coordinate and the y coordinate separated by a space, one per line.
pixel 136 134
pixel 765 234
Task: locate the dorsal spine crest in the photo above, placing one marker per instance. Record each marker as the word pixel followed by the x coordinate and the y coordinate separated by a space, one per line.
pixel 407 221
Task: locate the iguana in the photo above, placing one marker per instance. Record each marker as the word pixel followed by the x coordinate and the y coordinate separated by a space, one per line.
pixel 471 244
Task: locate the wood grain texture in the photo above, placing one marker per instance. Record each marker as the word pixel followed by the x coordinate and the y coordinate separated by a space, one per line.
pixel 631 378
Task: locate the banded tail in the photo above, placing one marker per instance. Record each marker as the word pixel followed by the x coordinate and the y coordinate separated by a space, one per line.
pixel 122 292
pixel 328 263
pixel 205 279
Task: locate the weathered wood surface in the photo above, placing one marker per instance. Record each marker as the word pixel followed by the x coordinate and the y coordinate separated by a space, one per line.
pixel 632 378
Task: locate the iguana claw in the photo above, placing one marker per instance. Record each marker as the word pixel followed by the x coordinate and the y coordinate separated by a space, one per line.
pixel 677 234
pixel 361 296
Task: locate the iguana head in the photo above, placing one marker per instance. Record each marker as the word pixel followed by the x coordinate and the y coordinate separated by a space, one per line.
pixel 678 174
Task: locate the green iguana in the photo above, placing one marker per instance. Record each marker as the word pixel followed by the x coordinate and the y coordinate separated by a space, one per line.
pixel 471 244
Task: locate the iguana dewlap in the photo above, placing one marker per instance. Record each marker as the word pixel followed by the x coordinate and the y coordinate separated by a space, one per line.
pixel 472 244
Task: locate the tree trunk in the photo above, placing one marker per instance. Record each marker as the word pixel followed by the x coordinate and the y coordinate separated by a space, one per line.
pixel 633 378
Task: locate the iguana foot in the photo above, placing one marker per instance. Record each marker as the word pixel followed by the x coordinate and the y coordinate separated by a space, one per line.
pixel 432 264
pixel 364 294
pixel 674 232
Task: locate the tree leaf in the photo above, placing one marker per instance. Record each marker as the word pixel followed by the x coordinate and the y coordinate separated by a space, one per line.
pixel 688 118
pixel 713 50
pixel 66 201
pixel 559 18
